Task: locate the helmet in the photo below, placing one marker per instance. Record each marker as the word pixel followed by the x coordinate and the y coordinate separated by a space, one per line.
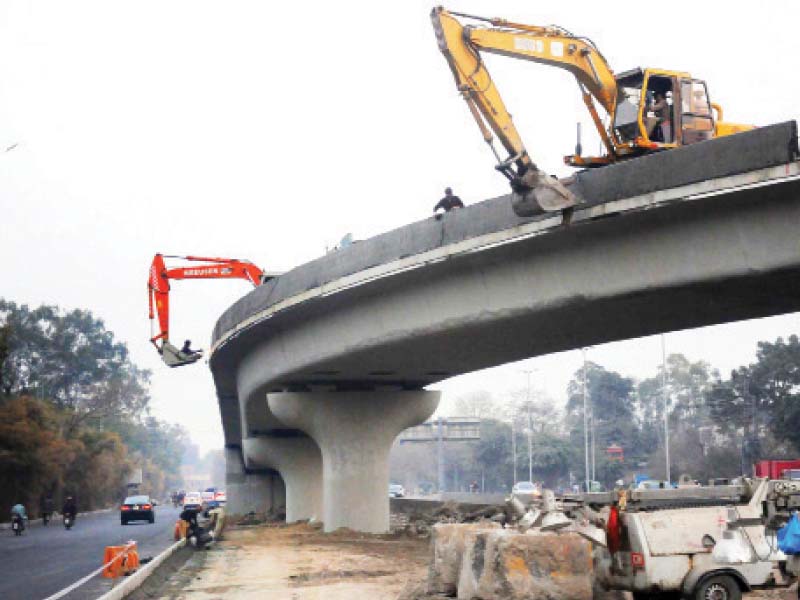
pixel 448 191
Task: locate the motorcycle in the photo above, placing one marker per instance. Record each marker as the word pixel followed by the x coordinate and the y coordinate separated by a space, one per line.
pixel 17 524
pixel 69 521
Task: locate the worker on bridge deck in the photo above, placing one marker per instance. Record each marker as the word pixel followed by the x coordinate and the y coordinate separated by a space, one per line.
pixel 449 202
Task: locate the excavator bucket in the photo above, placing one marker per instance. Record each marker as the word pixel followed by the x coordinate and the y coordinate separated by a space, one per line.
pixel 173 357
pixel 536 193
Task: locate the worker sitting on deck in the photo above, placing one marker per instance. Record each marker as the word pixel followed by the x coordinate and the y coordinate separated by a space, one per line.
pixel 449 202
pixel 187 349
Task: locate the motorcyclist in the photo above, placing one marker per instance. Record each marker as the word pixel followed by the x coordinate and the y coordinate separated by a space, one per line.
pixel 18 510
pixel 46 507
pixel 70 508
pixel 19 515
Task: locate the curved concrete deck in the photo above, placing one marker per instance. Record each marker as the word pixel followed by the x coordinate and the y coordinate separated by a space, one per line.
pixel 483 287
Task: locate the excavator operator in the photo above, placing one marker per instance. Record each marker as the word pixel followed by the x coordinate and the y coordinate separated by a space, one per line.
pixel 187 348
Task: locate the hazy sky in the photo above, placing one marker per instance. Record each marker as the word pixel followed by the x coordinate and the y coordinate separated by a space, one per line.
pixel 269 130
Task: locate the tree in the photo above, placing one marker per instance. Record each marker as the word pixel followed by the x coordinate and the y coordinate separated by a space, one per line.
pixel 478 403
pixel 761 398
pixel 5 352
pixel 70 359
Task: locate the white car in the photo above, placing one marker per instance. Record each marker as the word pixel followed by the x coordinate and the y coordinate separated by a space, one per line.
pixel 526 488
pixel 193 500
pixel 396 490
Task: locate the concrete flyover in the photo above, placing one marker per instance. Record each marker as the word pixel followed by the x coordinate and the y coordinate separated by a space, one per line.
pixel 335 353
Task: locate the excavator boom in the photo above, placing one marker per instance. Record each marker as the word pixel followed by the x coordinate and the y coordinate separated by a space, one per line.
pixel 158 289
pixel 626 101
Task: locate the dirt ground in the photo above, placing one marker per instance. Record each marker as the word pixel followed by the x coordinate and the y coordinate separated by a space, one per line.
pixel 298 562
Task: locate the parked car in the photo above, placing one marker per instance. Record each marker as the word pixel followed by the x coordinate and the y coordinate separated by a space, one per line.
pixel 137 508
pixel 527 488
pixel 396 490
pixel 654 484
pixel 213 498
pixel 207 495
pixel 193 500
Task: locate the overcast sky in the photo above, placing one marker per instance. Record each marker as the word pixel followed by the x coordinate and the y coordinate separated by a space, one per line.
pixel 268 130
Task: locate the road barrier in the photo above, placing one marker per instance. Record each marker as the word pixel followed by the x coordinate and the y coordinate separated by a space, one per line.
pixel 80 582
pixel 132 583
pixel 120 560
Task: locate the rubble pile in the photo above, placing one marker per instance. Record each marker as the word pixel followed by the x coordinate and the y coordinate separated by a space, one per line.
pixel 484 561
pixel 419 523
pixel 515 551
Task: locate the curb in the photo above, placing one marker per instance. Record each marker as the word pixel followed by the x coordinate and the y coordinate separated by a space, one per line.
pixel 132 583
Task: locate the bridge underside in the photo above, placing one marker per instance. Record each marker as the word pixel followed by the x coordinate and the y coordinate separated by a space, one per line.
pixel 704 253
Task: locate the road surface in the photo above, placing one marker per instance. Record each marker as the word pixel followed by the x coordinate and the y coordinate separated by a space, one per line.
pixel 45 560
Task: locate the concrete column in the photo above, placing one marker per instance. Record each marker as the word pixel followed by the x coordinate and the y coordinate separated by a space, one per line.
pixel 247 492
pixel 354 431
pixel 299 462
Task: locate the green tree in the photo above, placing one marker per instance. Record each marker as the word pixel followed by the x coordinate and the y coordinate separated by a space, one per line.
pixel 761 398
pixel 611 402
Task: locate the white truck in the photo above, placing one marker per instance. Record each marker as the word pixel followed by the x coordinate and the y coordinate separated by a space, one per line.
pixel 698 552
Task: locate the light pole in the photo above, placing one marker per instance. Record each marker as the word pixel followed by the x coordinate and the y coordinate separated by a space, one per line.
pixel 585 424
pixel 666 402
pixel 514 444
pixel 530 424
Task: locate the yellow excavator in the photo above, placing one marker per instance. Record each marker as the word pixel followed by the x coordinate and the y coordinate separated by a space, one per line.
pixel 647 110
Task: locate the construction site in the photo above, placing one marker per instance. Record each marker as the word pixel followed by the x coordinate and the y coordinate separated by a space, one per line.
pixel 309 431
pixel 351 469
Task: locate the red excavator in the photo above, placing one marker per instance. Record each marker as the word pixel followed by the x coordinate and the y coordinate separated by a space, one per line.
pixel 158 296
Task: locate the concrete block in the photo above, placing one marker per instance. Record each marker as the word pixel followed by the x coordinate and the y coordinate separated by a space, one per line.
pixel 509 565
pixel 448 542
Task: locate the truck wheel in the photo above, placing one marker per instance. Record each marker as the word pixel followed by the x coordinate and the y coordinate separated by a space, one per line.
pixel 718 587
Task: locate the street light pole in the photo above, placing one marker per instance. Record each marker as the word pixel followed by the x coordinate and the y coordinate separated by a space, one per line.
pixel 530 425
pixel 666 402
pixel 585 425
pixel 514 445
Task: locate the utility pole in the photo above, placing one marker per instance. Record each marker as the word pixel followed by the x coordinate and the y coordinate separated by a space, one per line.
pixel 530 424
pixel 594 438
pixel 440 452
pixel 514 444
pixel 666 402
pixel 585 425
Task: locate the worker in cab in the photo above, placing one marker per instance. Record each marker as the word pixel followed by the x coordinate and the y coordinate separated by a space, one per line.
pixel 187 348
pixel 663 111
pixel 449 202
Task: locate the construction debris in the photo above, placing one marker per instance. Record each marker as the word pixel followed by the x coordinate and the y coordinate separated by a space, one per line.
pixel 449 542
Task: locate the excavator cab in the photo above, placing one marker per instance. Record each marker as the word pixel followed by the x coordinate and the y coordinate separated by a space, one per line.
pixel 686 119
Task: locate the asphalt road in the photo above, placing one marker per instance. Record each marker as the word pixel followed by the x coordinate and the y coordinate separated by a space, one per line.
pixel 45 560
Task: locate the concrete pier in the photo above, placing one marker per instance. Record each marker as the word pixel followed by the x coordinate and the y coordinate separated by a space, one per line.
pixel 299 461
pixel 256 491
pixel 354 431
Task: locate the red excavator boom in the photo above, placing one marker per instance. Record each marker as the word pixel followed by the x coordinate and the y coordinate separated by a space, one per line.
pixel 158 294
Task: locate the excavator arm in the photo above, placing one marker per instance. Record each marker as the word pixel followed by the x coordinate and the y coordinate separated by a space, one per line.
pixel 462 46
pixel 158 289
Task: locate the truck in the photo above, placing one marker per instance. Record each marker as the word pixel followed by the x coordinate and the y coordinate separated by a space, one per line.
pixel 706 543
